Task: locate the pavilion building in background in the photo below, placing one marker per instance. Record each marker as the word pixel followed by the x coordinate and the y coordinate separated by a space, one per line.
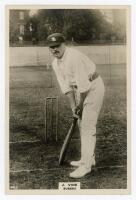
pixel 18 24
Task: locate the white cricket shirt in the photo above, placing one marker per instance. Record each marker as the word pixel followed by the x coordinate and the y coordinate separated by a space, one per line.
pixel 74 68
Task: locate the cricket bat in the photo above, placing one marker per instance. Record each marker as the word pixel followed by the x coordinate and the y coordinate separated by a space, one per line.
pixel 67 141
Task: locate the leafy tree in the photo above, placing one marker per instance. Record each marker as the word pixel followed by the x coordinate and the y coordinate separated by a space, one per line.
pixel 77 24
pixel 50 21
pixel 83 24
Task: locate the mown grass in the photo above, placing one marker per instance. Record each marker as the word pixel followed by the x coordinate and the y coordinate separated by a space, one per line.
pixel 28 88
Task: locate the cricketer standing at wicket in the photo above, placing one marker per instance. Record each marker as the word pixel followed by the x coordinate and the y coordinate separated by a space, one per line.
pixel 76 72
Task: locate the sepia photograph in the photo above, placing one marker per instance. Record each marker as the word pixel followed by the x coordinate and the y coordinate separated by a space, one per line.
pixel 68 99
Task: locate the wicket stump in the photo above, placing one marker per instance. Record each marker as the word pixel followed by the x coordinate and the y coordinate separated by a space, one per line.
pixel 51 118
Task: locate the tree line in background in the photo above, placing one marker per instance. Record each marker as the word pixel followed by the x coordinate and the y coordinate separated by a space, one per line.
pixel 78 25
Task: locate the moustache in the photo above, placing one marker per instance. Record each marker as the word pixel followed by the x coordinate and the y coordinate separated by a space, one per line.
pixel 56 52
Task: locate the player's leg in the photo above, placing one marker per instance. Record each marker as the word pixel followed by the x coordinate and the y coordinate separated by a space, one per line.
pixel 92 106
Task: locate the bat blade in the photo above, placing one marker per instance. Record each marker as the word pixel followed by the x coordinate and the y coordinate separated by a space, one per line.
pixel 67 142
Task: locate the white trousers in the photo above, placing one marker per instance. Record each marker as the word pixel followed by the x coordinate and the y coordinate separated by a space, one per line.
pixel 87 125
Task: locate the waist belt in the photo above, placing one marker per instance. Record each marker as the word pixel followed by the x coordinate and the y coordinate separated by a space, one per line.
pixel 92 78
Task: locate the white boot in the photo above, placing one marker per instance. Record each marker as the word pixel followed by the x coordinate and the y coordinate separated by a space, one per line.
pixel 80 172
pixel 80 162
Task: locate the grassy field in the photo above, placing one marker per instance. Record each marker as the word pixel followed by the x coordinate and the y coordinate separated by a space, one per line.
pixel 34 163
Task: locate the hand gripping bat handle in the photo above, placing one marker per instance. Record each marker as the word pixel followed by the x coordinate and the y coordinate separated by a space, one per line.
pixel 67 141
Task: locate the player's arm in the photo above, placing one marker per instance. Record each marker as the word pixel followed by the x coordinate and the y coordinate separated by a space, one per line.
pixel 71 97
pixel 81 100
pixel 72 100
pixel 79 107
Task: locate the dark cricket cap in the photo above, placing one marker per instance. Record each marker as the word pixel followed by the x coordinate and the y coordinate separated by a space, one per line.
pixel 55 39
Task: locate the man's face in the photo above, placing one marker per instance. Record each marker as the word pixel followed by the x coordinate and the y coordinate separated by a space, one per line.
pixel 58 51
